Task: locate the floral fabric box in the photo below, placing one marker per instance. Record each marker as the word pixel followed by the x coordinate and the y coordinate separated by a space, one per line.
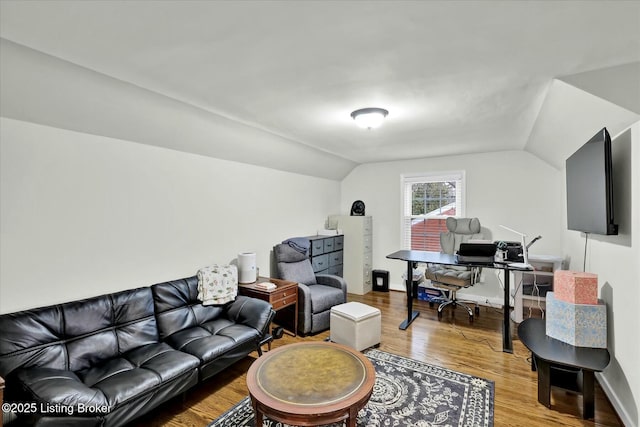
pixel 575 287
pixel 581 325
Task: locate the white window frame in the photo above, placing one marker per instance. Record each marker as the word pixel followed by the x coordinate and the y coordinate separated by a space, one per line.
pixel 406 180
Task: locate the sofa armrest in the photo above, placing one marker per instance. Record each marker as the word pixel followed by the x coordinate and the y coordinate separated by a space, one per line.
pixel 251 312
pixel 56 387
pixel 332 280
pixel 1 398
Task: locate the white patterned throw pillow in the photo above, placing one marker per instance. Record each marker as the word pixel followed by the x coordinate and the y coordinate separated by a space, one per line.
pixel 217 284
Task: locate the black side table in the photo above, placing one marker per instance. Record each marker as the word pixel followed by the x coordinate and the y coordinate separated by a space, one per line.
pixel 562 365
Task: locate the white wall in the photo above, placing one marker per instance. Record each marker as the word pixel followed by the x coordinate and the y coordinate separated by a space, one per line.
pixel 82 215
pixel 512 188
pixel 616 261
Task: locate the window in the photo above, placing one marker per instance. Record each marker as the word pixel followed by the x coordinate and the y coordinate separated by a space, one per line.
pixel 427 200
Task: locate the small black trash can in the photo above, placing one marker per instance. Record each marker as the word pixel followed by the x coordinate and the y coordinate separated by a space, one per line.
pixel 380 280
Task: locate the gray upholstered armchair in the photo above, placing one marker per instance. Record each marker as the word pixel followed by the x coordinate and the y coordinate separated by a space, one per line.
pixel 316 293
pixel 453 278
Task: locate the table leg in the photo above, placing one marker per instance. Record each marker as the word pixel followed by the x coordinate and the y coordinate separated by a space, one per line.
pixel 544 382
pixel 588 410
pixel 411 315
pixel 533 363
pixel 256 410
pixel 353 417
pixel 507 345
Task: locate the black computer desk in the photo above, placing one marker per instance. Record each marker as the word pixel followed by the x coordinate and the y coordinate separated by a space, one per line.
pixel 413 257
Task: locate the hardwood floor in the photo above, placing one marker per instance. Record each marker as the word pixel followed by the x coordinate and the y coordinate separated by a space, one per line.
pixel 453 343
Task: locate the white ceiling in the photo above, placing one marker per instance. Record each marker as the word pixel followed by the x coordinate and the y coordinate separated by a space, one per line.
pixel 456 76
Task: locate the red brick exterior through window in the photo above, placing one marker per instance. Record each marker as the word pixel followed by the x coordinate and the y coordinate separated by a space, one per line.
pixel 425 232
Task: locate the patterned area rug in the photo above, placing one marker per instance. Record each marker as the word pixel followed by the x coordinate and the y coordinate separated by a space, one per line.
pixel 406 393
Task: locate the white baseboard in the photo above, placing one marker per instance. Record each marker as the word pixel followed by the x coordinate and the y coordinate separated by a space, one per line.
pixel 615 401
pixel 396 287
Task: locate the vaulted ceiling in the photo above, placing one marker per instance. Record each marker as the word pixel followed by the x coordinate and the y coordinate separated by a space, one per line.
pixel 456 76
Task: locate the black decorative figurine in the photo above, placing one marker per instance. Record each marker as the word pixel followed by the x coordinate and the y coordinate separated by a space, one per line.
pixel 357 208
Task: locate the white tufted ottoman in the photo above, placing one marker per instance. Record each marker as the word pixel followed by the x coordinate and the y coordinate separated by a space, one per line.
pixel 356 325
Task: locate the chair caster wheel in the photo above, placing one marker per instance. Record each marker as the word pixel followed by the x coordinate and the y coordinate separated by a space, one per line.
pixel 277 332
pixel 439 315
pixel 471 318
pixel 477 310
pixel 430 305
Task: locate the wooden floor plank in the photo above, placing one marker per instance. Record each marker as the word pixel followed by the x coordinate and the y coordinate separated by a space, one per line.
pixel 452 342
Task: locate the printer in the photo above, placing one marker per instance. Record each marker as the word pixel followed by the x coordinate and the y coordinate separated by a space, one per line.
pixel 512 250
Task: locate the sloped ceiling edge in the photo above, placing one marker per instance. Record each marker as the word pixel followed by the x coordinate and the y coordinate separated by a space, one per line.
pixel 569 116
pixel 619 85
pixel 40 88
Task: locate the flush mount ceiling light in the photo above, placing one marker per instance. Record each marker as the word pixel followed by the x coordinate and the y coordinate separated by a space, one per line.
pixel 369 118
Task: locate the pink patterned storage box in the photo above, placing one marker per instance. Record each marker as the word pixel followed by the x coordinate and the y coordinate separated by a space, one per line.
pixel 575 287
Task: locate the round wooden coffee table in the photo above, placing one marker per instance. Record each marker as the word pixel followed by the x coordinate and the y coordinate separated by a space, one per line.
pixel 310 384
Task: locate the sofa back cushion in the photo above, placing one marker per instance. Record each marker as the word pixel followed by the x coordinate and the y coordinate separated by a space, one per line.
pixel 89 336
pixel 114 324
pixel 135 318
pixel 78 334
pixel 32 338
pixel 177 306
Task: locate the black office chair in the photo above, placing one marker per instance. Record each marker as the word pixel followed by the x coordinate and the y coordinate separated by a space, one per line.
pixel 454 278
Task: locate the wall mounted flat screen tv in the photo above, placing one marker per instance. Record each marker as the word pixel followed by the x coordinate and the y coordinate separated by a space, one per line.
pixel 590 187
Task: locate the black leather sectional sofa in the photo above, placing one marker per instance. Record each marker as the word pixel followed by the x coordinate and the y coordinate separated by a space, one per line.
pixel 106 360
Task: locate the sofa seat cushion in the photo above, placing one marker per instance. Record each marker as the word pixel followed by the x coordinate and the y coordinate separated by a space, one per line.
pixel 212 339
pixel 166 362
pixel 111 383
pixel 138 371
pixel 324 297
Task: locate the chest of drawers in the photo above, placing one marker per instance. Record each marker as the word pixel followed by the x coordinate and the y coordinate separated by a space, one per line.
pixel 326 254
